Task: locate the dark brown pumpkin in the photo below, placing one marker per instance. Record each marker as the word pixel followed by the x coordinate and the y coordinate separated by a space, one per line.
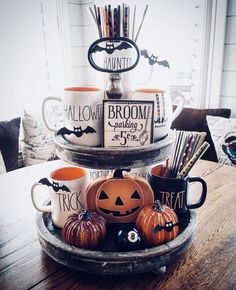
pixel 85 229
pixel 157 224
pixel 119 199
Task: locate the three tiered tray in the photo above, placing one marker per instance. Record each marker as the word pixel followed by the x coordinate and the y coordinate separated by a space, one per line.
pixel 115 53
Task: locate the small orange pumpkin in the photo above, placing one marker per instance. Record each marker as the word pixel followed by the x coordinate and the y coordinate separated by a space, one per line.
pixel 157 224
pixel 84 229
pixel 119 199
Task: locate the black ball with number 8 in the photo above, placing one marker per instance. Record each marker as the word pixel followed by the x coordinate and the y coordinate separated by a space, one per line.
pixel 128 238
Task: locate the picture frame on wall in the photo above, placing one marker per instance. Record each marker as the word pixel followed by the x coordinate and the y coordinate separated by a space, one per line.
pixel 127 123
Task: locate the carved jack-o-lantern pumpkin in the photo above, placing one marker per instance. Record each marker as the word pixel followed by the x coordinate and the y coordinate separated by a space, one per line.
pixel 119 199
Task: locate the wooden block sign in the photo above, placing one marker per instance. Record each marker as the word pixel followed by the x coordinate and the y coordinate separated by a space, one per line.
pixel 128 123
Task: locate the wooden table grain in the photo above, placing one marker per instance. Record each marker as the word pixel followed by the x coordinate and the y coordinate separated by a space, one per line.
pixel 210 262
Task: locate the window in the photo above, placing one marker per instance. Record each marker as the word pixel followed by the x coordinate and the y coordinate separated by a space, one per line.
pixel 31 55
pixel 183 32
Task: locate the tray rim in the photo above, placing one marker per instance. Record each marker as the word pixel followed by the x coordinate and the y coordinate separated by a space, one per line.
pixel 48 238
pixel 113 158
pixel 166 141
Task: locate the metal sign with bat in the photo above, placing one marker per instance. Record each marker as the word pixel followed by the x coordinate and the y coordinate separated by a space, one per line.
pixel 113 54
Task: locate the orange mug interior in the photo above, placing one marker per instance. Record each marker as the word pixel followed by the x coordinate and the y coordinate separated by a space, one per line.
pixel 68 173
pixel 149 91
pixel 82 89
pixel 157 170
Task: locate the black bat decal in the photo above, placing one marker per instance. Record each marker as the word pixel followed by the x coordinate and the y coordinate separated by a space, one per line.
pixel 110 47
pixel 168 227
pixel 152 59
pixel 78 131
pixel 54 185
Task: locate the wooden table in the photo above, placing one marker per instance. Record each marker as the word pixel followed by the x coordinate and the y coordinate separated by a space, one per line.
pixel 210 262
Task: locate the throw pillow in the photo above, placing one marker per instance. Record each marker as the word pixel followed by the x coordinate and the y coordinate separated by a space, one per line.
pixel 191 119
pixel 37 144
pixel 223 133
pixel 9 142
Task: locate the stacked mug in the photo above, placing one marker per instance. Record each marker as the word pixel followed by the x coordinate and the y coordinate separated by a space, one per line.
pixel 82 115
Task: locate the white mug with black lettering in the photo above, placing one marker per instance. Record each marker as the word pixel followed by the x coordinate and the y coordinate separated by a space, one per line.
pixel 67 187
pixel 163 109
pixel 82 115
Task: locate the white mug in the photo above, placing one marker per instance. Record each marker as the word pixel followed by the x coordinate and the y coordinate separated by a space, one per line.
pixel 163 112
pixel 67 187
pixel 82 115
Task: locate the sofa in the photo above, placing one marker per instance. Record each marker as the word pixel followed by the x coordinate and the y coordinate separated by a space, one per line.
pixel 25 141
pixel 191 119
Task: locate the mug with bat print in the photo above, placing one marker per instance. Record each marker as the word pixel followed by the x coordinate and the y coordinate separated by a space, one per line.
pixel 67 187
pixel 163 112
pixel 82 115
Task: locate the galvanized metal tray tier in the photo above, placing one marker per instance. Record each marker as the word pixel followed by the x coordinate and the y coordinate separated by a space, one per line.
pixel 113 158
pixel 107 259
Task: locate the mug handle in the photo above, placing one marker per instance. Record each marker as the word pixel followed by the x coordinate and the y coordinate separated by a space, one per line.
pixel 179 108
pixel 51 128
pixel 203 194
pixel 39 207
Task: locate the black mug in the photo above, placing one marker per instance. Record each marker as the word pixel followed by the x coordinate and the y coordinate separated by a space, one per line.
pixel 173 192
